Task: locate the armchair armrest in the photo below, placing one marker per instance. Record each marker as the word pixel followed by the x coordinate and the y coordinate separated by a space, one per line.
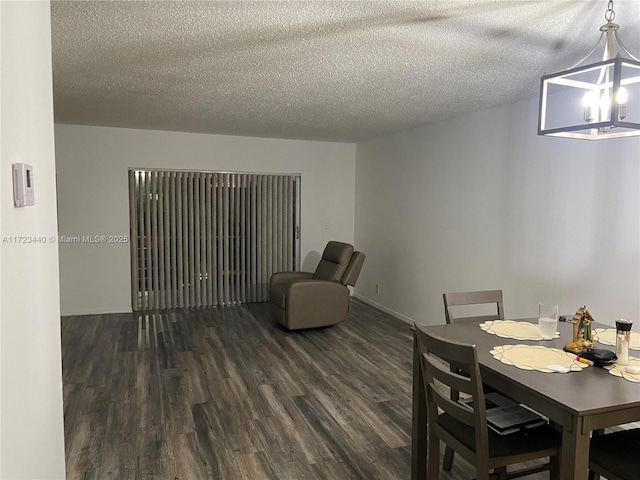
pixel 288 277
pixel 313 286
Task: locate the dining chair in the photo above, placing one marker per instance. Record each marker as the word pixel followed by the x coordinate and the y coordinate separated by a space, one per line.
pixel 461 299
pixel 465 430
pixel 464 299
pixel 613 455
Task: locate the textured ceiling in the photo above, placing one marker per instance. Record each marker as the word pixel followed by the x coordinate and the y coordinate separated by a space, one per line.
pixel 321 70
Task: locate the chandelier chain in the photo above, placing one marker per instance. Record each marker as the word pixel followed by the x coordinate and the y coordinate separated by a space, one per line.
pixel 609 15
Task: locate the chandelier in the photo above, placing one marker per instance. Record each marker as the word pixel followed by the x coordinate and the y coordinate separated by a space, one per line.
pixel 595 101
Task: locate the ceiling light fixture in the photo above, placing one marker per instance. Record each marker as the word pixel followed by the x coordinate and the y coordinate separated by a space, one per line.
pixel 596 101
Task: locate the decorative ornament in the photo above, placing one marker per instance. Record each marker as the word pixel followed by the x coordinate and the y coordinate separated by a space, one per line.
pixel 582 332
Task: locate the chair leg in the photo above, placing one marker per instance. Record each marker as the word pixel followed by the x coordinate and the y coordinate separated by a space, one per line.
pixel 502 473
pixel 554 471
pixel 447 463
pixel 485 475
pixel 593 475
pixel 433 458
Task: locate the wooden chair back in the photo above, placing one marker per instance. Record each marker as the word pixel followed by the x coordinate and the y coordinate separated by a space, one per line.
pixel 473 298
pixel 437 355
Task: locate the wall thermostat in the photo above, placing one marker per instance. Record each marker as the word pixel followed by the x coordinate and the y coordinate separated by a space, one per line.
pixel 22 185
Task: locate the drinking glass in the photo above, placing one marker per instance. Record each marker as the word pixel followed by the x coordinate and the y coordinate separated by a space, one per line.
pixel 547 319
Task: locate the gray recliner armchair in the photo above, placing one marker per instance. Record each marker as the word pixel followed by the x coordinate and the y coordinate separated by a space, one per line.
pixel 307 300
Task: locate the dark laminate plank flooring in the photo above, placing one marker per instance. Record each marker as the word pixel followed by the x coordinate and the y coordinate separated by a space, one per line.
pixel 226 394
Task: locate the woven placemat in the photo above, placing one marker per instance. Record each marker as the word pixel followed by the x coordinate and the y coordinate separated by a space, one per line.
pixel 514 330
pixel 607 336
pixel 619 370
pixel 537 357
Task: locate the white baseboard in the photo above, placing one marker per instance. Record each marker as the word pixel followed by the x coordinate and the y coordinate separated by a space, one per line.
pixel 391 312
pixel 93 311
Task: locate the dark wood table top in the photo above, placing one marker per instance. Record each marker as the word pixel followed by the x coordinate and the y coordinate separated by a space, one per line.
pixel 588 392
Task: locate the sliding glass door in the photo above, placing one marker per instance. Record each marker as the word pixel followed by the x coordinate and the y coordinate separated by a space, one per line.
pixel 207 238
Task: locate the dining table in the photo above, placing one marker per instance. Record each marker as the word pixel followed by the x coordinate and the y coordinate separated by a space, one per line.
pixel 579 402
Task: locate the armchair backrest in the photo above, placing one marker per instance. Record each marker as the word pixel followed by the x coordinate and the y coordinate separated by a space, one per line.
pixel 334 262
pixel 353 269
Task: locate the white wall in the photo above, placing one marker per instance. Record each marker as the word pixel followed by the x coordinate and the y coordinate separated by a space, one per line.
pixel 482 202
pixel 92 165
pixel 31 426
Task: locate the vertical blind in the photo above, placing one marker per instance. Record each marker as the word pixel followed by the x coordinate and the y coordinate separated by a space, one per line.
pixel 205 239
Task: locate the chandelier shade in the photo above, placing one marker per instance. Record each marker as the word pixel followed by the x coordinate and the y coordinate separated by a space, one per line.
pixel 595 101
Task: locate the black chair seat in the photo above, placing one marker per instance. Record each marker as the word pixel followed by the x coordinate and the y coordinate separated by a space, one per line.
pixel 529 440
pixel 616 453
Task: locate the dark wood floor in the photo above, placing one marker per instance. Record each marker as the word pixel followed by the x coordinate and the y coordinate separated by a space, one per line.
pixel 225 394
